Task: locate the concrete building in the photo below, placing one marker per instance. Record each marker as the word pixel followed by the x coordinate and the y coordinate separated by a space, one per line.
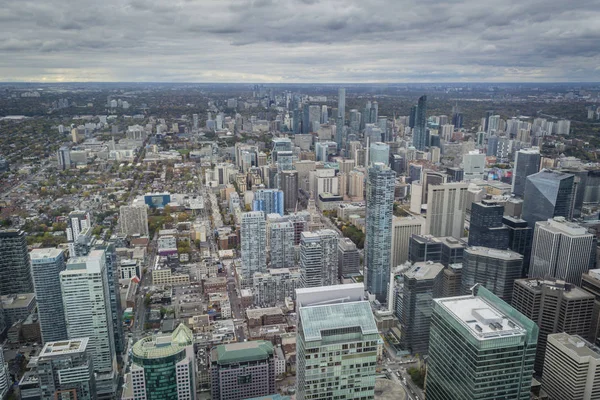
pixel 335 325
pixel 87 307
pixel 242 370
pixel 273 287
pixel 133 220
pixel 446 206
pixel 319 258
pixel 65 371
pixel 356 185
pixel 4 380
pixel 402 230
pixel 15 275
pixel 554 306
pixel 17 307
pixel 590 282
pixel 571 368
pixel 281 245
pixel 473 165
pixel 64 158
pixel 253 243
pixel 163 367
pixel 467 332
pixel 77 221
pixel 561 250
pixel 348 257
pixel 46 266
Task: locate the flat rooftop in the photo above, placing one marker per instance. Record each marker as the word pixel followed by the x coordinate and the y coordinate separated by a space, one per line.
pixel 17 301
pixel 242 352
pixel 64 347
pixel 424 270
pixel 38 254
pixel 316 319
pixel 576 345
pixel 495 253
pixel 482 319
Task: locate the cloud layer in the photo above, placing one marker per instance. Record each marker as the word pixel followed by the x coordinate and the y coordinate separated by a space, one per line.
pixel 299 40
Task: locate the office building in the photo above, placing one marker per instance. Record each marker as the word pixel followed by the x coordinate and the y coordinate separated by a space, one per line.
pixel 163 367
pixel 77 221
pixel 379 153
pixel 497 270
pixel 4 380
pixel 446 204
pixel 469 331
pixel 452 250
pixel 356 185
pixel 473 165
pixel 555 306
pixel 452 281
pixel 341 117
pixel 268 201
pixel 590 282
pixel 319 258
pixel 486 228
pixel 423 248
pixel 281 245
pixel 64 158
pixel 348 258
pixel 86 302
pixel 422 284
pixel 402 230
pixel 15 275
pixel 561 250
pixel 548 194
pixel 46 266
pixel 527 162
pixel 335 325
pixel 134 220
pixel 242 370
pixel 65 371
pixel 420 124
pixel 288 183
pixel 381 182
pixel 253 237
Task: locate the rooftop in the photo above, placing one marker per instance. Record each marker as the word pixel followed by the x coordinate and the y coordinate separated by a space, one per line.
pixel 575 345
pixel 561 225
pixel 317 319
pixel 63 347
pixel 164 345
pixel 38 254
pixel 17 300
pixel 424 270
pixel 242 352
pixel 495 253
pixel 482 319
pixel 569 290
pixel 259 312
pixel 551 175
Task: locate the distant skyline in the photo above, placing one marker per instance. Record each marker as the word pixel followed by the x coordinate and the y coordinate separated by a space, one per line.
pixel 299 41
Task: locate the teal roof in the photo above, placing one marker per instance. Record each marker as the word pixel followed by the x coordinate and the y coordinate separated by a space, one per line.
pixel 164 345
pixel 316 319
pixel 243 352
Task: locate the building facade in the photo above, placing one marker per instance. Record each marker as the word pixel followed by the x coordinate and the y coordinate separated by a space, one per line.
pixel 527 162
pixel 486 228
pixel 446 205
pixel 348 258
pixel 133 220
pixel 548 194
pixel 15 274
pixel 253 243
pixel 319 258
pixel 402 230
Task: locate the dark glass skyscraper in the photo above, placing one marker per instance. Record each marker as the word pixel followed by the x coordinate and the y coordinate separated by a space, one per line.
pixel 15 275
pixel 486 228
pixel 419 131
pixel 527 162
pixel 548 194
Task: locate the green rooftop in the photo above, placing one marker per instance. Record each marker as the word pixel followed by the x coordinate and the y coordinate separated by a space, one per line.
pixel 242 352
pixel 161 346
pixel 316 319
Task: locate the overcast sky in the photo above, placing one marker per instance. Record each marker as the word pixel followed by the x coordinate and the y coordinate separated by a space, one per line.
pixel 300 40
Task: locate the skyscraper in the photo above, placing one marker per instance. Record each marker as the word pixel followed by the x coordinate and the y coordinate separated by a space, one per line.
pixel 402 229
pixel 253 237
pixel 473 165
pixel 497 270
pixel 379 153
pixel 422 284
pixel 319 258
pixel 15 275
pixel 548 194
pixel 281 245
pixel 342 104
pixel 527 162
pixel 288 181
pixel 348 257
pixel 163 367
pixel 555 307
pixel 64 158
pixel 65 370
pixel 77 221
pixel 339 329
pixel 46 266
pixel 134 220
pixel 381 182
pixel 446 204
pixel 4 382
pixel 268 201
pixel 571 368
pixel 469 331
pixel 486 228
pixel 86 302
pixel 561 250
pixel 419 131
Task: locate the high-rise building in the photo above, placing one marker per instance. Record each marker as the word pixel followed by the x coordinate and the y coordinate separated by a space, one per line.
pixel 4 382
pixel 561 250
pixel 381 182
pixel 268 201
pixel 348 257
pixel 319 258
pixel 64 158
pixel 86 302
pixel 46 266
pixel 497 270
pixel 590 282
pixel 402 230
pixel 423 248
pixel 446 204
pixel 527 162
pixel 336 325
pixel 571 368
pixel 486 228
pixel 419 130
pixel 242 370
pixel 485 342
pixel 379 153
pixel 163 367
pixel 548 194
pixel 253 237
pixel 65 371
pixel 554 306
pixel 281 245
pixel 272 288
pixel 77 221
pixel 134 220
pixel 473 165
pixel 288 183
pixel 356 185
pixel 341 117
pixel 422 284
pixel 15 274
